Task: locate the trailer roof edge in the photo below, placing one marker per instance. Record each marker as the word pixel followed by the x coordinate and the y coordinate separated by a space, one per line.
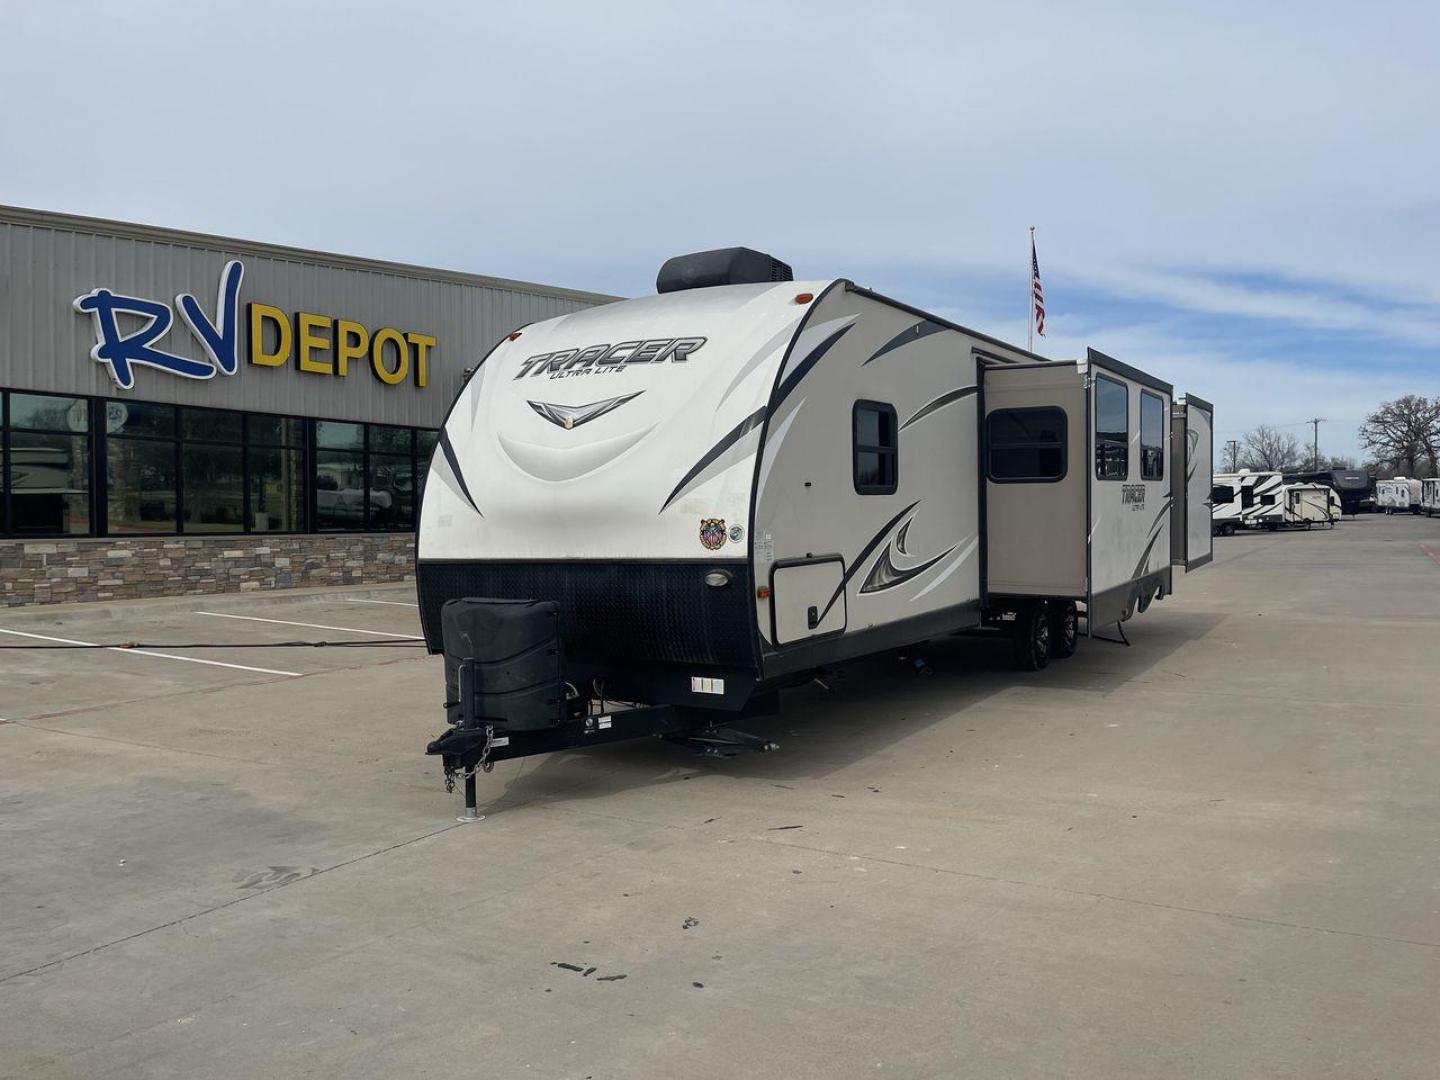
pixel 1119 367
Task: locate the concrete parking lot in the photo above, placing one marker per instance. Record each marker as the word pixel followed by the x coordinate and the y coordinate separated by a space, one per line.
pixel 1214 853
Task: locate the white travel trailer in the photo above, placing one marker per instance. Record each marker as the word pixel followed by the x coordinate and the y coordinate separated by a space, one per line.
pixel 1246 500
pixel 1430 496
pixel 1311 504
pixel 1398 496
pixel 686 501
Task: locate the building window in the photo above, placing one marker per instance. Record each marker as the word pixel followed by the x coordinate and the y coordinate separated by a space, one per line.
pixel 1026 445
pixel 339 476
pixel 877 448
pixel 141 469
pixel 275 474
pixel 212 471
pixel 44 465
pixel 1152 436
pixel 74 466
pixel 390 473
pixel 1112 429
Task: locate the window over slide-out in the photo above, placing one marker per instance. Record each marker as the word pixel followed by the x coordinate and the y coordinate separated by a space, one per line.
pixel 1025 445
pixel 1112 429
pixel 1152 436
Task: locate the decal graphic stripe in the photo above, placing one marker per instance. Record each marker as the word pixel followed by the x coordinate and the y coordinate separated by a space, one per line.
pixel 803 367
pixel 884 574
pixel 865 554
pixel 1154 535
pixel 923 329
pixel 939 403
pixel 449 452
pixel 734 435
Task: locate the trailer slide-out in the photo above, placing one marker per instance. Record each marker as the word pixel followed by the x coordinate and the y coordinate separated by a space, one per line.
pixel 646 518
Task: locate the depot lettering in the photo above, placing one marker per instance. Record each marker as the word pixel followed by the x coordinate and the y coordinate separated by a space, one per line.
pixel 325 345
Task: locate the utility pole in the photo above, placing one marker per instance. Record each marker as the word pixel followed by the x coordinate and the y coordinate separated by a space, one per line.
pixel 1233 445
pixel 1315 422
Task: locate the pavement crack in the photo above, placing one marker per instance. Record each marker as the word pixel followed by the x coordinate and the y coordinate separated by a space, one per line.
pixel 228 903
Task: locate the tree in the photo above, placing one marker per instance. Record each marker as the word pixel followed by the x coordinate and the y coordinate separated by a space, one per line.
pixel 1404 434
pixel 1268 450
pixel 1337 461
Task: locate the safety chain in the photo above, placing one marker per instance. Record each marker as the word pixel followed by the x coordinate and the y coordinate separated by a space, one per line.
pixel 484 764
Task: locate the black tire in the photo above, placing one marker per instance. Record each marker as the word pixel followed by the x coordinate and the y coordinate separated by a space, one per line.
pixel 1064 631
pixel 1030 637
pixel 1228 529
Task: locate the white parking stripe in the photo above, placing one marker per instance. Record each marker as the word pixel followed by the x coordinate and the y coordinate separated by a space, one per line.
pixel 311 625
pixel 147 652
pixel 396 603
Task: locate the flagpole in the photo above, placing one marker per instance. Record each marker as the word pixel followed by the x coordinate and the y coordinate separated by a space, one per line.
pixel 1030 298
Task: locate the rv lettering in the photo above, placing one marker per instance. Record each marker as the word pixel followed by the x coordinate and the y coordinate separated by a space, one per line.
pixel 567 362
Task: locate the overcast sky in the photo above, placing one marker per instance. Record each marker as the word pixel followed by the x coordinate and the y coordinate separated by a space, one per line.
pixel 1244 198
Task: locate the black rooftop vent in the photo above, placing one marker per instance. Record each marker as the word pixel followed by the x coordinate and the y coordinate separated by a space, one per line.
pixel 724 266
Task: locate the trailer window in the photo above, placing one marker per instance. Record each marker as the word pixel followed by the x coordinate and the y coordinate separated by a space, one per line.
pixel 1025 445
pixel 1112 429
pixel 877 448
pixel 1152 436
pixel 1222 495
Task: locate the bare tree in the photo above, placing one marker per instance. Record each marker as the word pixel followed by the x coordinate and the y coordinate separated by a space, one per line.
pixel 1268 450
pixel 1404 434
pixel 1337 461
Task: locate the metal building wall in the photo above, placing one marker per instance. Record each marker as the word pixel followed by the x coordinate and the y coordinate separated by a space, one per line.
pixel 47 260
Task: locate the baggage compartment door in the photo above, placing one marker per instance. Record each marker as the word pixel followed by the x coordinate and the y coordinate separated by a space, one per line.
pixel 807 599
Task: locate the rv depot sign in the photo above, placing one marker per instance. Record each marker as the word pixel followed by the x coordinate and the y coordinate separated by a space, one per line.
pixel 318 344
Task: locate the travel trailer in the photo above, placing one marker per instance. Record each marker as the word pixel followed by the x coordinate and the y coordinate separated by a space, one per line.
pixel 1247 500
pixel 1430 497
pixel 1397 496
pixel 1354 486
pixel 1311 504
pixel 648 517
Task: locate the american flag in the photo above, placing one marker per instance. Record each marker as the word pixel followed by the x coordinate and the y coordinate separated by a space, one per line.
pixel 1036 291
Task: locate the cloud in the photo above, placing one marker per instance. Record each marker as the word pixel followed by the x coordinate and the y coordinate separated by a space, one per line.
pixel 1254 186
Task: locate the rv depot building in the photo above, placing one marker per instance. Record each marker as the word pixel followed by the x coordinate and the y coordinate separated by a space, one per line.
pixel 182 413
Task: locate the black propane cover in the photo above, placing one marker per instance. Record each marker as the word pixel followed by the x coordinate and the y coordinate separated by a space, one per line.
pixel 519 663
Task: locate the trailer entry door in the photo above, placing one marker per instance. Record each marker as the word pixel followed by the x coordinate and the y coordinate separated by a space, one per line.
pixel 1192 427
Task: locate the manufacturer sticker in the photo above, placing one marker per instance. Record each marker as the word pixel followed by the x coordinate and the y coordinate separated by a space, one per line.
pixel 736 534
pixel 712 533
pixel 1133 496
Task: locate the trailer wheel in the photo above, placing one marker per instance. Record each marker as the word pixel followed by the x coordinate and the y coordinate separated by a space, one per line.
pixel 1064 631
pixel 1227 529
pixel 1031 639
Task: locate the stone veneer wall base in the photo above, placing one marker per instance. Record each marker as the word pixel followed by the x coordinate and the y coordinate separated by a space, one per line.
pixel 59 571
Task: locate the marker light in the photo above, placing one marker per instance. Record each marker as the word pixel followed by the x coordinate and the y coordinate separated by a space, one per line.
pixel 804 297
pixel 717 579
pixel 513 334
pixel 763 592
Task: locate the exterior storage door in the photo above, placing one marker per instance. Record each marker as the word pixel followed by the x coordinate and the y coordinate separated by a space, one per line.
pixel 1192 441
pixel 807 599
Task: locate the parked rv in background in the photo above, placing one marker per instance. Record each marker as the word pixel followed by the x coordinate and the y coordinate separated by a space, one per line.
pixel 1245 500
pixel 1398 496
pixel 1430 497
pixel 1355 487
pixel 1311 504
